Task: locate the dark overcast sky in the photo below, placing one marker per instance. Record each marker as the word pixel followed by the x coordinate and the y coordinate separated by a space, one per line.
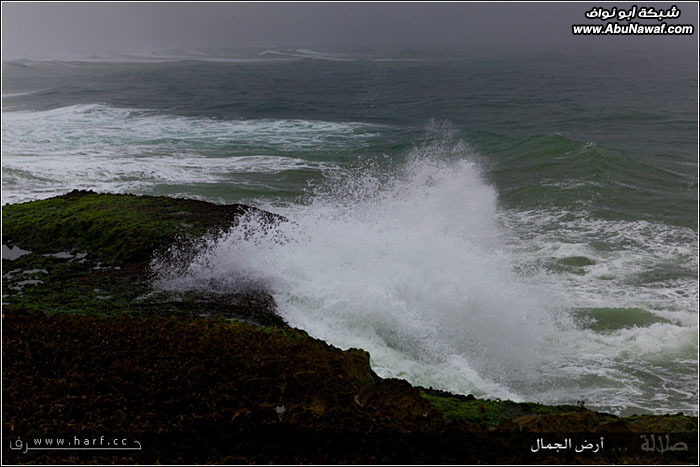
pixel 73 30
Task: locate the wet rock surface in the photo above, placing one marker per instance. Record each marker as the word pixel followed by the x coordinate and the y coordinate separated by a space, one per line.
pixel 91 253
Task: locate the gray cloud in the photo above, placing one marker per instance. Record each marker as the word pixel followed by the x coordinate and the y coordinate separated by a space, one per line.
pixel 72 30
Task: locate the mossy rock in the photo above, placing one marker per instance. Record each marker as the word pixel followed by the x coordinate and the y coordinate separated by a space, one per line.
pixel 113 228
pixel 488 412
pixel 90 253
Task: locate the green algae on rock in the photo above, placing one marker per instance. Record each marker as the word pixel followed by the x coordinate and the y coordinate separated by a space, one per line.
pixel 114 228
pixel 92 254
pixel 488 412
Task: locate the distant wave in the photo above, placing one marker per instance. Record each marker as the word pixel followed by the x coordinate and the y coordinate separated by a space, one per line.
pixel 334 56
pixel 307 53
pixel 145 58
pixel 95 125
pixel 174 58
pixel 124 149
pixel 216 57
pixel 26 93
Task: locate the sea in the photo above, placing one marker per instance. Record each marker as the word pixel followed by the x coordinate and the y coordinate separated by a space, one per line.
pixel 514 227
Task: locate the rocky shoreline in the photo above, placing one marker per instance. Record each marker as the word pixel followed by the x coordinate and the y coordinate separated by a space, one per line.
pixel 90 351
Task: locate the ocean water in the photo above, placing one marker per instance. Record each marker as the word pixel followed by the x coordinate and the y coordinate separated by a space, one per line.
pixel 521 228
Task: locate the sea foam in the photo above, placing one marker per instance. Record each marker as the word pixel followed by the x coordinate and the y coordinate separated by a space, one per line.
pixel 421 267
pixel 410 267
pixel 97 146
